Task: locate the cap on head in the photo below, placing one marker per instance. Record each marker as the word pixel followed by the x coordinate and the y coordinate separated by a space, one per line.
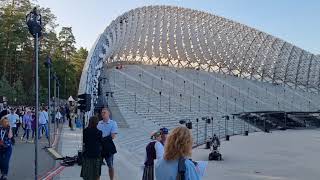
pixel 164 130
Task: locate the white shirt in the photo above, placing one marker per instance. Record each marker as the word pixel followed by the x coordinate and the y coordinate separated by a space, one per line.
pixel 159 150
pixel 43 117
pixel 13 118
pixel 58 115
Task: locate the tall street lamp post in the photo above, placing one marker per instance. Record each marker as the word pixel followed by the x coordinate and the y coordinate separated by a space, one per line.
pixel 34 23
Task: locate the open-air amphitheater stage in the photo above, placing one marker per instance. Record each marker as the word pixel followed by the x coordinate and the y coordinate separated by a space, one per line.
pixel 280 155
pixel 181 64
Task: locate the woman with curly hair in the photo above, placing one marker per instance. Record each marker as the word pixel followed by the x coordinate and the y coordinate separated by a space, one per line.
pixel 175 164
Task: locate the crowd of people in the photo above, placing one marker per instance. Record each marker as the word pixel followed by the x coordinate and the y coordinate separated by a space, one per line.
pixel 167 155
pixel 19 122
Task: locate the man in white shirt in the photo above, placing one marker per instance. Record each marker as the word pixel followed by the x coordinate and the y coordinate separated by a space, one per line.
pixel 43 122
pixel 109 128
pixel 13 119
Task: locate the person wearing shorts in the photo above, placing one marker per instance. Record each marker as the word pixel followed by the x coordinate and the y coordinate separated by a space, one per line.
pixel 109 130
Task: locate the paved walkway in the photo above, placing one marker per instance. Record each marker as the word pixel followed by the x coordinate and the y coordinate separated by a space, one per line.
pixel 70 143
pixel 22 159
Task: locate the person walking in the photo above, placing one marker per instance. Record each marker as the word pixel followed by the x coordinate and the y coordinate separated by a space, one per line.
pixel 92 160
pixel 151 155
pixel 13 119
pixel 43 122
pixel 67 110
pixel 109 130
pixel 26 124
pixel 6 136
pixel 58 117
pixel 19 112
pixel 33 125
pixel 178 149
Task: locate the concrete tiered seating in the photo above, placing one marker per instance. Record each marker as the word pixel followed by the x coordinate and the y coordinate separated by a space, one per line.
pixel 151 97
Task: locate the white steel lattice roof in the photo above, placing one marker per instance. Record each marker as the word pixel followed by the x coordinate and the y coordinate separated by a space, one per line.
pixel 189 38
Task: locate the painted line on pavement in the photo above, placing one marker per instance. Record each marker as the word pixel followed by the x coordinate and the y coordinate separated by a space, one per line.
pixel 53 172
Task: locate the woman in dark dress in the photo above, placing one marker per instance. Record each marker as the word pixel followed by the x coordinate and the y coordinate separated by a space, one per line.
pixel 92 161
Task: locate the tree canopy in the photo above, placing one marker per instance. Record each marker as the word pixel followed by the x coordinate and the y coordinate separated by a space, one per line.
pixel 17 54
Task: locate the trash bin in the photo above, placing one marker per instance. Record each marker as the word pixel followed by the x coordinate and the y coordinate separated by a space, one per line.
pixel 227 137
pixel 208 145
pixel 246 133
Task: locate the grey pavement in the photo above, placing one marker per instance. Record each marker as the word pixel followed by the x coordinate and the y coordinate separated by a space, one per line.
pixel 22 159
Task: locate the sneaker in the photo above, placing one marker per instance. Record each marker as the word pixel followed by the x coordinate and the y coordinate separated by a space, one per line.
pixel 31 141
pixel 21 138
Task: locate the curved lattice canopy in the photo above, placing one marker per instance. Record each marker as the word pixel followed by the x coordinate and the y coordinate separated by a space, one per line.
pixel 189 38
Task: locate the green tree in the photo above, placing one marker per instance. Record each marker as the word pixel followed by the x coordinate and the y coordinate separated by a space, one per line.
pixel 67 47
pixel 17 54
pixel 19 92
pixel 5 89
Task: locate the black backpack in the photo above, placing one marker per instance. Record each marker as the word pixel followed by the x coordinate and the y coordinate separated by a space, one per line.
pixel 181 169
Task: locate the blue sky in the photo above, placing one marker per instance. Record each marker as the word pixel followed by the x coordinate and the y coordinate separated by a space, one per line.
pixel 296 21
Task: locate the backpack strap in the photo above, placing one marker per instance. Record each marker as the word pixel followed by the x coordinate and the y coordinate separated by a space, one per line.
pixel 181 168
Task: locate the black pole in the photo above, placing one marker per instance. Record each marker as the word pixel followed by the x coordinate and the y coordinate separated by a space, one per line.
pixel 197 120
pixel 225 127
pixel 199 103
pixel 244 124
pixel 180 101
pixel 135 103
pixel 205 129
pixel 37 105
pixel 160 99
pixel 190 103
pixel 219 128
pixel 233 125
pixel 34 23
pixel 211 126
pixel 217 104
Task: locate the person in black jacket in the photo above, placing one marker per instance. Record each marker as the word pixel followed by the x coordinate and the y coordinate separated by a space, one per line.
pixel 6 144
pixel 92 160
